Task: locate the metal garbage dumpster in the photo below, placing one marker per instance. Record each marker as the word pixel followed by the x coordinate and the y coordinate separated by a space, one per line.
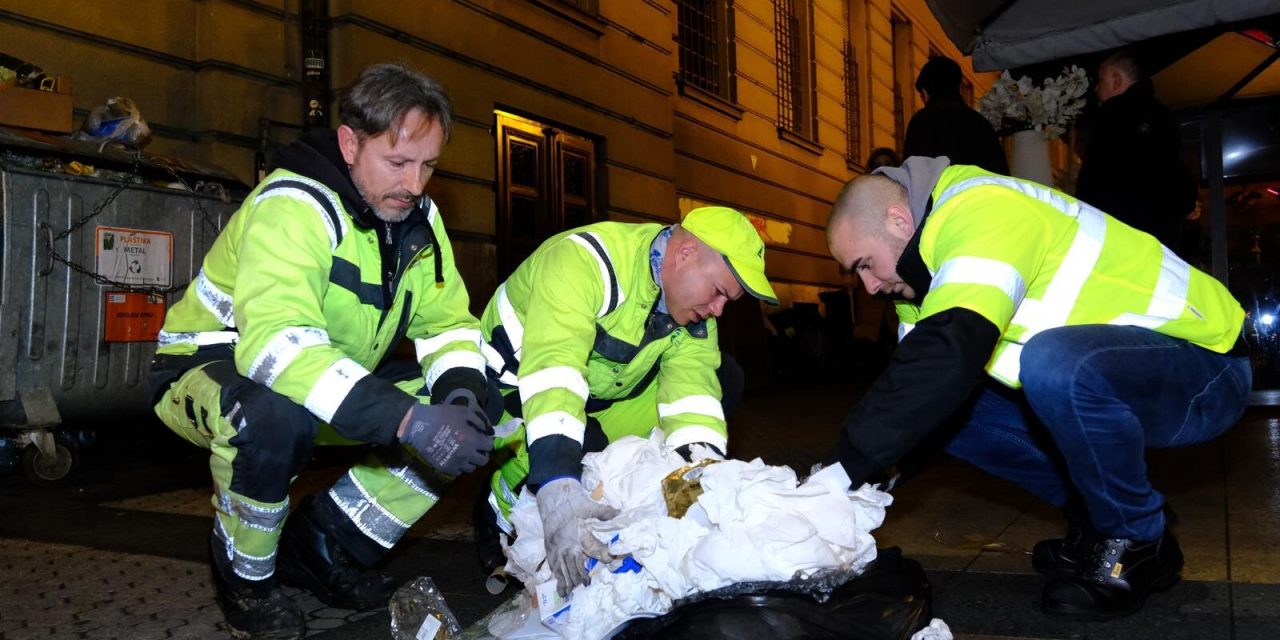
pixel 95 245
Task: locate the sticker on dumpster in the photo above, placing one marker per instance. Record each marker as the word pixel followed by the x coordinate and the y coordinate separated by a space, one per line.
pixel 134 256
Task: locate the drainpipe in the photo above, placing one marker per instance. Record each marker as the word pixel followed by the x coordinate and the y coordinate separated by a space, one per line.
pixel 314 23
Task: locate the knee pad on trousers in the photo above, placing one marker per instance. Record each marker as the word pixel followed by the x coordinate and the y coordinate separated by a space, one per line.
pixel 273 441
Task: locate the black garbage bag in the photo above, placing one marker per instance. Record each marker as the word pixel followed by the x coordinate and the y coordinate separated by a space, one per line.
pixel 890 600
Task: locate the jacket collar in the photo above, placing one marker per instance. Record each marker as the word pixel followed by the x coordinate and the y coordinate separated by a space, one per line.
pixel 316 155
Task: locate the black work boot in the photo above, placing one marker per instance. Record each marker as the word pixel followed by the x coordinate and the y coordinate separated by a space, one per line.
pixel 311 558
pixel 1118 577
pixel 1066 556
pixel 254 610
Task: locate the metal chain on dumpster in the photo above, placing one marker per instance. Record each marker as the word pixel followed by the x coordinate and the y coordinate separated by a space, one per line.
pixel 124 183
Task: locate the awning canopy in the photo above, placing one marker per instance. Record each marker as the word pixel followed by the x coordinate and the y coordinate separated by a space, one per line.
pixel 1007 34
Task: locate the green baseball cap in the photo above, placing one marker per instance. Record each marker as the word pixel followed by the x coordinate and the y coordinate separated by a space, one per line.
pixel 735 238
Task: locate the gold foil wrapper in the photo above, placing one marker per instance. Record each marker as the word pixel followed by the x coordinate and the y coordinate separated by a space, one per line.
pixel 682 487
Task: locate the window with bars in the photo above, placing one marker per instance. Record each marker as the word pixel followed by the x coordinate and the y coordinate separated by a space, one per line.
pixel 852 107
pixel 586 6
pixel 704 35
pixel 796 99
pixel 902 81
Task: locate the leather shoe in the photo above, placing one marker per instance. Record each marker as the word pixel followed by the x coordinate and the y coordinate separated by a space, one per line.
pixel 1066 556
pixel 1116 579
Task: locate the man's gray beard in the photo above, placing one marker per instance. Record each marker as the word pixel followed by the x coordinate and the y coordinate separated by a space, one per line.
pixel 398 216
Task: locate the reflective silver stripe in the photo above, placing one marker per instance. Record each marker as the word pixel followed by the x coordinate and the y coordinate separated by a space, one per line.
pixel 255 517
pixel 1169 298
pixel 697 433
pixel 503 522
pixel 903 329
pixel 510 321
pixel 507 494
pixel 1053 309
pixel 604 262
pixel 428 346
pixel 299 194
pixel 197 338
pixel 562 377
pixel 1033 189
pixel 506 429
pixel 282 350
pixel 555 423
pixel 433 212
pixel 454 360
pixel 217 301
pixel 1007 367
pixel 414 481
pixel 703 404
pixel 496 364
pixel 363 510
pixel 332 388
pixel 246 566
pixel 1064 289
pixel 982 271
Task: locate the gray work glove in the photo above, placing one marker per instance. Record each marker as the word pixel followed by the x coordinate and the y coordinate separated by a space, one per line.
pixel 454 437
pixel 564 505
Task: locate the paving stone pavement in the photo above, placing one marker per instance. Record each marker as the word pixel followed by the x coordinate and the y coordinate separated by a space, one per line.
pixel 118 552
pixel 56 591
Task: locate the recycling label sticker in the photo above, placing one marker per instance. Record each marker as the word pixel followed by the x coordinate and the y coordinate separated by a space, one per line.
pixel 134 256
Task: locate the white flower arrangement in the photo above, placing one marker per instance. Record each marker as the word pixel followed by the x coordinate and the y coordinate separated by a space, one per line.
pixel 1016 105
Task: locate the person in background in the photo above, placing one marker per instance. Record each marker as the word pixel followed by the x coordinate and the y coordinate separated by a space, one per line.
pixel 882 157
pixel 1132 167
pixel 946 126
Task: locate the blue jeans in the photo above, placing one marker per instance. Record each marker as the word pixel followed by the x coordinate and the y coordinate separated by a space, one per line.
pixel 1094 398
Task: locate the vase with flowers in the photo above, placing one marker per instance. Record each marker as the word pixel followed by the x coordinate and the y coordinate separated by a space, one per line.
pixel 1033 115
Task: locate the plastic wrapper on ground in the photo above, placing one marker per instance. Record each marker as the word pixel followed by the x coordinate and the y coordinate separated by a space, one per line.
pixel 419 612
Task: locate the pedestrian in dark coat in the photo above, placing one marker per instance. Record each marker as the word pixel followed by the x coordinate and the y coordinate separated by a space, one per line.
pixel 946 126
pixel 1132 168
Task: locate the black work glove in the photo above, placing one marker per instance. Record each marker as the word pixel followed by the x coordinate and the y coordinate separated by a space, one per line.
pixel 454 438
pixel 711 451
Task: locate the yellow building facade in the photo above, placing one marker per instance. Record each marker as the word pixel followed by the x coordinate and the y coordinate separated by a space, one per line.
pixel 568 111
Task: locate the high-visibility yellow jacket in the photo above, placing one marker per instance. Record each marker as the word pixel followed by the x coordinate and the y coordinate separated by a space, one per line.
pixel 576 326
pixel 995 261
pixel 297 283
pixel 1028 258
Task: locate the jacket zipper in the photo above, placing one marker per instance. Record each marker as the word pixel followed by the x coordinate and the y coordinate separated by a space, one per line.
pixel 389 287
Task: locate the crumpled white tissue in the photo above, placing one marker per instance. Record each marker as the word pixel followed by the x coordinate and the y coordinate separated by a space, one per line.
pixel 937 630
pixel 753 522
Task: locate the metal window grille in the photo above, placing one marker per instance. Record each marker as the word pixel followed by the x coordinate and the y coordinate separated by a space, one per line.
pixel 852 106
pixel 790 89
pixel 587 6
pixel 899 101
pixel 698 35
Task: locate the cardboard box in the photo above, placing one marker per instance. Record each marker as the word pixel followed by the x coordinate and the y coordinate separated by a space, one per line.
pixel 32 109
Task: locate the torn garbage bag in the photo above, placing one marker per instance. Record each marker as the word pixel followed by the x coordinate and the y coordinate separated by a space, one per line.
pixel 888 601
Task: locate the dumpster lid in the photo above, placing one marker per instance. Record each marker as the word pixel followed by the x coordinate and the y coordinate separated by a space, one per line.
pixel 25 142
